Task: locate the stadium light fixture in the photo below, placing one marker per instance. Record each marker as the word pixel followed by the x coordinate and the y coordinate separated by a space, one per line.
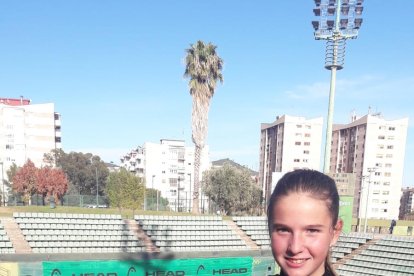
pixel 339 20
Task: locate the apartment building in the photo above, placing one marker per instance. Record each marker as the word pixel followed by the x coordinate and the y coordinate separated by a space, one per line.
pixel 287 144
pixel 406 203
pixel 27 131
pixel 373 149
pixel 168 167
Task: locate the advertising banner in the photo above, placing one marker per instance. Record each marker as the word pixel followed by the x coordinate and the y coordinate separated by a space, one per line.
pixel 159 267
pixel 345 212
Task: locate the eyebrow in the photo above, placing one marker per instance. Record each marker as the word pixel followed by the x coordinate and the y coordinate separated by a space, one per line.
pixel 306 226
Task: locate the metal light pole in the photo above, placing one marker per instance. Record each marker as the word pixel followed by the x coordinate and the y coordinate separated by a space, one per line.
pixel 339 20
pixel 2 180
pixel 178 195
pixel 153 188
pixel 191 195
pixel 370 171
pixel 97 187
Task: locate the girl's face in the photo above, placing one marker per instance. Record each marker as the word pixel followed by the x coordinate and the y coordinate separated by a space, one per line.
pixel 301 234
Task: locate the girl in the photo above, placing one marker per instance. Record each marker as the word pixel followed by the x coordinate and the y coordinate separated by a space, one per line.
pixel 303 223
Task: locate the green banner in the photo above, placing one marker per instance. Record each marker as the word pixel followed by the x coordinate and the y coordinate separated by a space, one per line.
pixel 174 267
pixel 345 212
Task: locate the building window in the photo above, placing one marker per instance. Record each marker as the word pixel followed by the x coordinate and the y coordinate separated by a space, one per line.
pixel 389 156
pixel 307 135
pixel 388 165
pixel 297 143
pixel 299 126
pixel 390 147
pixel 377 173
pixel 386 183
pixel 385 192
pixel 390 137
pixel 381 137
pixel 376 192
pixel 306 143
pixel 391 128
pixel 305 152
pixel 296 160
pixel 387 174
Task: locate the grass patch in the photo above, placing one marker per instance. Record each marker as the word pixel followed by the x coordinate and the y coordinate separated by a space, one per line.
pixel 127 214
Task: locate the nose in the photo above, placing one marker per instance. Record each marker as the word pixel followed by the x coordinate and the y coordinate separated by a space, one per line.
pixel 295 245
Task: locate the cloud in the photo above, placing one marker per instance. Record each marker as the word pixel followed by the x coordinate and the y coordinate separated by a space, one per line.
pixel 303 92
pixel 363 87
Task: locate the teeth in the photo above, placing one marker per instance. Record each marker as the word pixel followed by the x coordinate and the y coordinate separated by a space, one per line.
pixel 298 261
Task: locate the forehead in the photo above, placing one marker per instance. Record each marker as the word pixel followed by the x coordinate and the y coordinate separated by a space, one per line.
pixel 301 209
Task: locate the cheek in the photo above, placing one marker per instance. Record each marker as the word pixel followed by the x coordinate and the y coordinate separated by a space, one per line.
pixel 278 244
pixel 319 246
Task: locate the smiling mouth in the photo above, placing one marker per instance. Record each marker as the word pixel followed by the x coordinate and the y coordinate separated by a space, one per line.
pixel 297 261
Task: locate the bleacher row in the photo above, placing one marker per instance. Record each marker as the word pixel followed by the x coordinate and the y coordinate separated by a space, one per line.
pixel 198 232
pixel 87 233
pixel 5 244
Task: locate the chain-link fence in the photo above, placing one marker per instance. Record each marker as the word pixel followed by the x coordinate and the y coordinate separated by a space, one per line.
pixel 68 200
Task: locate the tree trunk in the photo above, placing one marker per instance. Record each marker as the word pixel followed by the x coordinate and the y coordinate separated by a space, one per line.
pixel 196 181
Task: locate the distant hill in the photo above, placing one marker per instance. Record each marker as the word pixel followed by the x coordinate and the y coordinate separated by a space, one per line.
pixel 221 162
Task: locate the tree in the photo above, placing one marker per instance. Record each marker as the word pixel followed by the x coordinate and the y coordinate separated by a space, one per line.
pixel 125 190
pixel 114 188
pixel 203 68
pixel 82 170
pixel 232 190
pixel 51 182
pixel 152 195
pixel 134 190
pixel 24 181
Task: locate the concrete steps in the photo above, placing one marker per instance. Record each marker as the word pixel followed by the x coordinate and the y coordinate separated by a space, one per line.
pixel 249 242
pixel 140 234
pixel 355 252
pixel 21 246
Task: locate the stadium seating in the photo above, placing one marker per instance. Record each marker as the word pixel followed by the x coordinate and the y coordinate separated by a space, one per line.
pixel 6 246
pixel 190 233
pixel 348 243
pixel 354 253
pixel 76 233
pixel 256 228
pixel 388 256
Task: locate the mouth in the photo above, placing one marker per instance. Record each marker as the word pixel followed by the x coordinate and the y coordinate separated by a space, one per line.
pixel 296 262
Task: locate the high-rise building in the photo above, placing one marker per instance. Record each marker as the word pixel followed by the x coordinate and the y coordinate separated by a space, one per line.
pixel 168 166
pixel 27 131
pixel 287 144
pixel 373 149
pixel 406 203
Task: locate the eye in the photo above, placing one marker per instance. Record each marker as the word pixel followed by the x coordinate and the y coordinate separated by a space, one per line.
pixel 313 230
pixel 281 230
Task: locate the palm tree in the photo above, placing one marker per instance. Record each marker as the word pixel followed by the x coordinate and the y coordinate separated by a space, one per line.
pixel 203 68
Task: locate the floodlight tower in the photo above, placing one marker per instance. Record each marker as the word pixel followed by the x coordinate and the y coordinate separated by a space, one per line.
pixel 339 20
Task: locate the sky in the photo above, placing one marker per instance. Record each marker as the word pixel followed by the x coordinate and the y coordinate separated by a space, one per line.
pixel 114 69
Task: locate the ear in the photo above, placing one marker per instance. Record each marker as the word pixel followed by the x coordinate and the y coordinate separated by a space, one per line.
pixel 337 231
